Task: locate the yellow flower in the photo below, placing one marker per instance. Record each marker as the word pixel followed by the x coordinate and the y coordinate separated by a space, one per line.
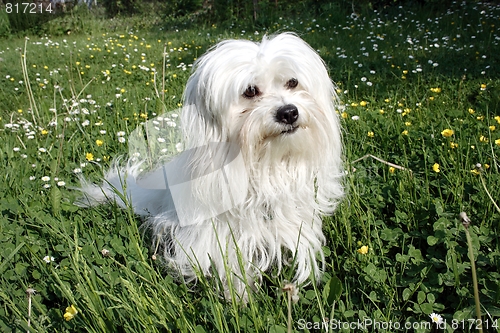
pixel 20 111
pixel 89 157
pixel 371 134
pixel 497 142
pixel 483 139
pixel 99 142
pixel 436 90
pixel 363 249
pixel 381 111
pixel 483 86
pixel 435 167
pixel 408 123
pixel 122 90
pixel 70 313
pixel 453 145
pixel 447 133
pixel 405 132
pixel 363 103
pixel 344 115
pixel 492 128
pixel 497 118
pixel 471 111
pixel 475 172
pixel 392 170
pixel 431 98
pixel 45 132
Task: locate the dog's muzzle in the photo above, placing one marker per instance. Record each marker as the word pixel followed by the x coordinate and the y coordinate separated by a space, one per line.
pixel 288 115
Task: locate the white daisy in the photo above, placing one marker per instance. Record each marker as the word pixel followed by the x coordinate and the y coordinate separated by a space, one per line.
pixel 48 259
pixel 436 318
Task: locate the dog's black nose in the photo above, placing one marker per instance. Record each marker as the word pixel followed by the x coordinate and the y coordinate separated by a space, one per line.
pixel 287 114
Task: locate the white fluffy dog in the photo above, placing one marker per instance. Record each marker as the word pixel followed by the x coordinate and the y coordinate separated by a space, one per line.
pixel 264 164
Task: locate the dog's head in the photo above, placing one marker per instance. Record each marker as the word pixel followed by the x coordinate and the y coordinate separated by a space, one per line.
pixel 273 97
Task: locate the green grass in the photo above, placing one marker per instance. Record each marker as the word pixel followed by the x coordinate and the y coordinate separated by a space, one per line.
pixel 398 98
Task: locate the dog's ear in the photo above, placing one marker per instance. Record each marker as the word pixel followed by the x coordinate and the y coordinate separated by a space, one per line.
pixel 200 124
pixel 201 117
pixel 203 108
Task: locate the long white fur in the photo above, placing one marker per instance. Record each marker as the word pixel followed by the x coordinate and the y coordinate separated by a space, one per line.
pixel 292 178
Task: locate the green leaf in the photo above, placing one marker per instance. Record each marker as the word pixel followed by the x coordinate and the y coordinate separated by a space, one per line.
pixel 420 297
pixel 55 198
pixel 332 290
pixel 277 329
pixel 10 255
pixel 199 329
pixel 416 254
pixel 69 207
pixel 36 275
pixel 439 207
pixel 431 240
pixel 406 294
pixel 401 216
pixel 402 257
pixel 426 308
pixel 349 313
pixel 441 224
pixel 20 268
pixel 378 275
pixel 310 294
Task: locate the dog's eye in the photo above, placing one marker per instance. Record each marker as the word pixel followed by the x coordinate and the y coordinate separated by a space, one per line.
pixel 251 92
pixel 292 83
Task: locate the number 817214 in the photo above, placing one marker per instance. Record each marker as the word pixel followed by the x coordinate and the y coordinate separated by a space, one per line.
pixel 28 8
pixel 474 324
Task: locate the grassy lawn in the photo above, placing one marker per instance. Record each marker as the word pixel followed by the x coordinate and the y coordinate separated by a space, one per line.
pixel 420 89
